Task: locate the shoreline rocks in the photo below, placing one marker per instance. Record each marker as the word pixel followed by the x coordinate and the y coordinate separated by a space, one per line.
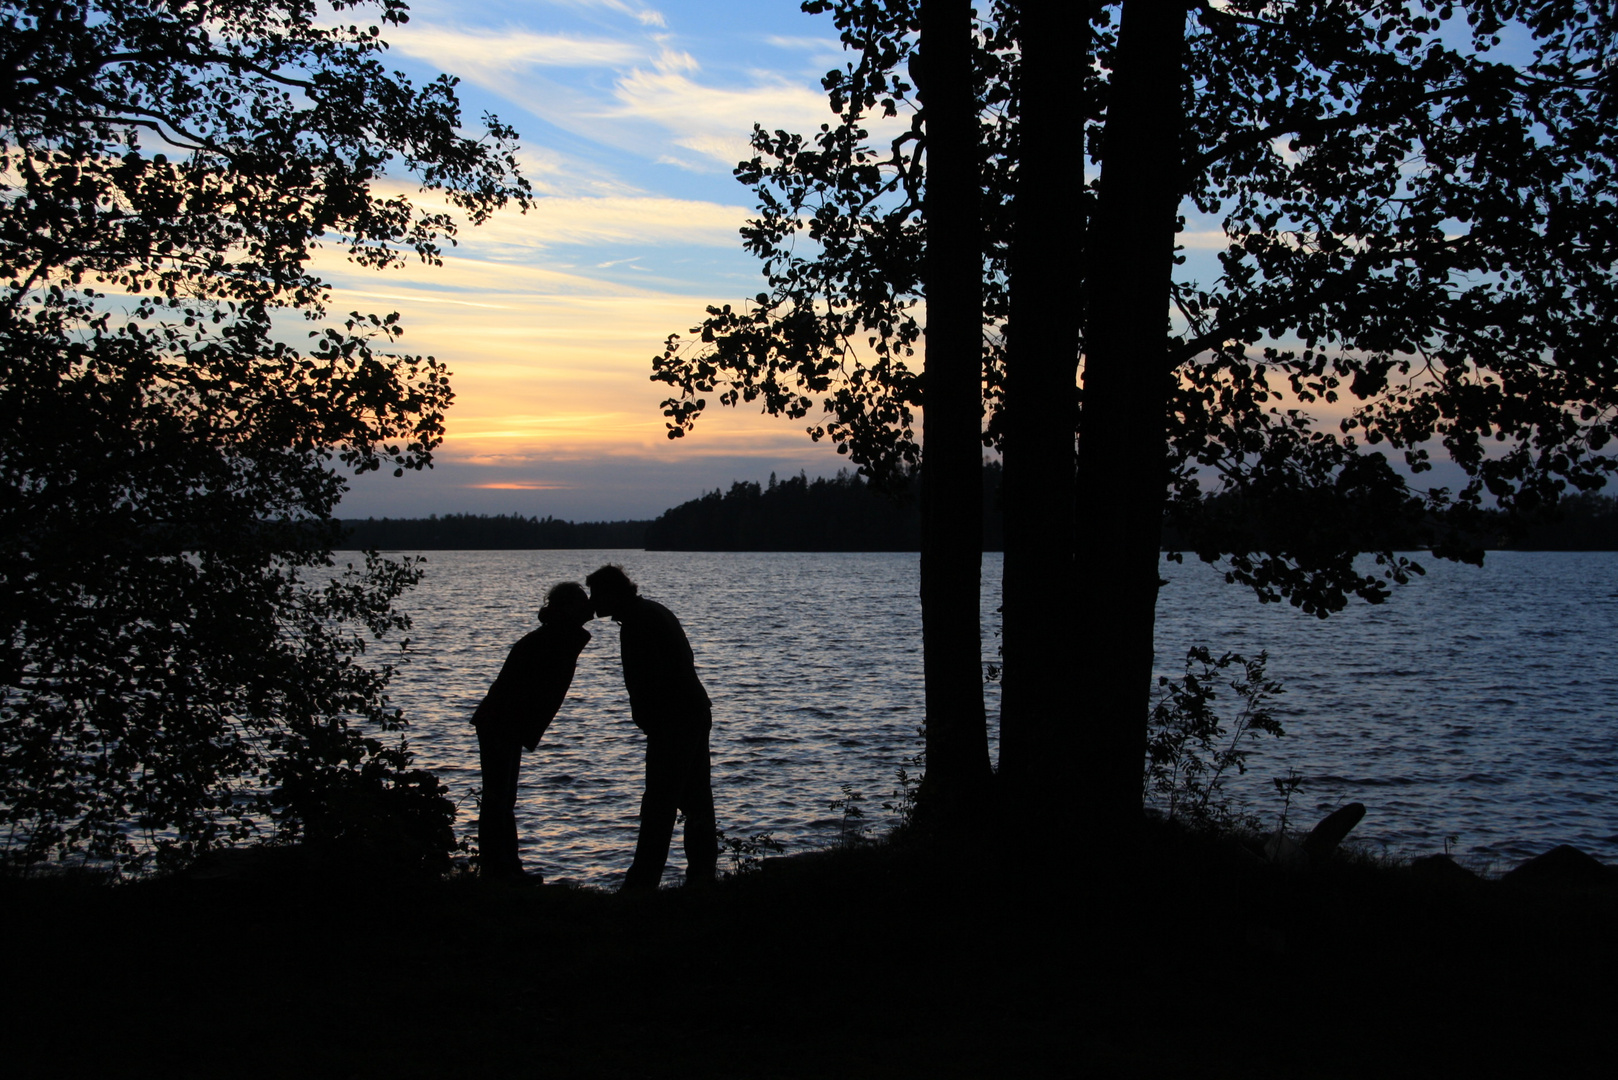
pixel 1563 866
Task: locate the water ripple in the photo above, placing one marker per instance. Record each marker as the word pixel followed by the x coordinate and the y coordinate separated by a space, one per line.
pixel 1476 702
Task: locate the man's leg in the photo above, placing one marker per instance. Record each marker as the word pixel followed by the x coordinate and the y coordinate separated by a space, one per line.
pixel 657 809
pixel 501 759
pixel 696 799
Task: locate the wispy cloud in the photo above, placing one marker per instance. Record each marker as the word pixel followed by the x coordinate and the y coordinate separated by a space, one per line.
pixel 649 220
pixel 822 52
pixel 419 298
pixel 477 51
pixel 524 10
pixel 549 321
pixel 546 364
pixel 642 14
pixel 1203 240
pixel 555 173
pixel 658 102
pixel 805 44
pixel 652 220
pixel 711 122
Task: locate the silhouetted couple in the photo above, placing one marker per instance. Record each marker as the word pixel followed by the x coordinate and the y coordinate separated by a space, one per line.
pixel 666 701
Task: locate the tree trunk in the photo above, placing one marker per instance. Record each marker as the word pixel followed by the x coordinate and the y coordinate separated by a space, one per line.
pixel 952 497
pixel 1122 473
pixel 1038 721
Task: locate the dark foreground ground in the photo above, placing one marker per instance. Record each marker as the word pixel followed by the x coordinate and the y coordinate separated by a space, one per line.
pixel 1192 960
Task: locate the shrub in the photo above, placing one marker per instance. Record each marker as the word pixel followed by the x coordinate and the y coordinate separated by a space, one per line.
pixel 1191 748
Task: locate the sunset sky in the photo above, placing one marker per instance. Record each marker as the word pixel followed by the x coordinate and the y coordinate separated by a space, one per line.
pixel 632 118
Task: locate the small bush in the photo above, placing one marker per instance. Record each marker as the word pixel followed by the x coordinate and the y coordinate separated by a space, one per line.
pixel 357 803
pixel 746 853
pixel 1190 747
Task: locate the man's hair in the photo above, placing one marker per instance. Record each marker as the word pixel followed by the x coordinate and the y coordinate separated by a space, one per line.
pixel 566 601
pixel 612 580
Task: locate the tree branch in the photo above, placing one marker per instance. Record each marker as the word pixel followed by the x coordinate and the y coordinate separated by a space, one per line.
pixel 1372 116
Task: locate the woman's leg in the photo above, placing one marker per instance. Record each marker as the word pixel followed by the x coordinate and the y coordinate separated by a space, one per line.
pixel 501 759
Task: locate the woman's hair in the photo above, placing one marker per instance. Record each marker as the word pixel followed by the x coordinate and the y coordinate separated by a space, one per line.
pixel 566 603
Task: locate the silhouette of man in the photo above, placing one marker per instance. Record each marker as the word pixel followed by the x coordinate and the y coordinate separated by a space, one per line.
pixel 514 714
pixel 668 703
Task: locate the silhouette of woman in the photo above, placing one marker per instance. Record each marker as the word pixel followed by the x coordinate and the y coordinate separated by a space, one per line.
pixel 515 713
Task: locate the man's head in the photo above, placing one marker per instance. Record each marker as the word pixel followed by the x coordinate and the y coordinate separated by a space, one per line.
pixel 567 604
pixel 611 591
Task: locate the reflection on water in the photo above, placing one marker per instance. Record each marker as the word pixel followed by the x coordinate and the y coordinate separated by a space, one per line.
pixel 1476 702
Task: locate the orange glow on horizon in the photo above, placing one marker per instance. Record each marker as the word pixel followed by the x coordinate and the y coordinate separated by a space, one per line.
pixel 525 486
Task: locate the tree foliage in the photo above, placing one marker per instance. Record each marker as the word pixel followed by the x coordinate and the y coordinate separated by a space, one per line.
pixel 1413 205
pixel 1419 232
pixel 180 662
pixel 839 233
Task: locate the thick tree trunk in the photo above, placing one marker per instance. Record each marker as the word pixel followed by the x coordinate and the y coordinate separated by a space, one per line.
pixel 1038 721
pixel 1122 475
pixel 952 497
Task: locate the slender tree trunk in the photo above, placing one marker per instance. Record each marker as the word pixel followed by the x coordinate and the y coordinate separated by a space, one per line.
pixel 1038 721
pixel 952 497
pixel 1122 474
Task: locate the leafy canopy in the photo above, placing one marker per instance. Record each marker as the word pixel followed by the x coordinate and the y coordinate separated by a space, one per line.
pixel 179 663
pixel 1413 210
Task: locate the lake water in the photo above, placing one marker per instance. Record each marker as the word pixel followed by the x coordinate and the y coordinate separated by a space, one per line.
pixel 1477 703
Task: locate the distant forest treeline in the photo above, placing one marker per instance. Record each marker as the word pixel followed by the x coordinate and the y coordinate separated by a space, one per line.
pixel 1584 522
pixel 843 513
pixel 477 532
pixel 1580 522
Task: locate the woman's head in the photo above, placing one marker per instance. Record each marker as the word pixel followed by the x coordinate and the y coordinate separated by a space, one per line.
pixel 567 604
